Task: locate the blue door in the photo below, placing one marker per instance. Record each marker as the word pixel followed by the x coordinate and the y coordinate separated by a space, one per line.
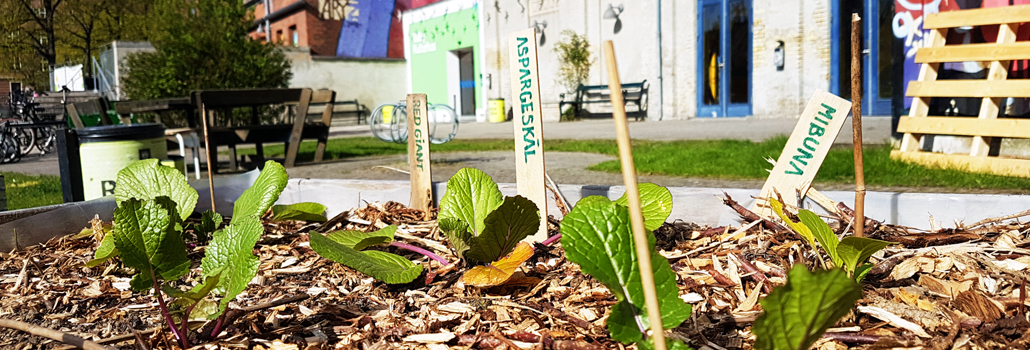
pixel 724 58
pixel 878 52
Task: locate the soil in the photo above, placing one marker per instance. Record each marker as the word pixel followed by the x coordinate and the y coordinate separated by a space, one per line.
pixel 952 287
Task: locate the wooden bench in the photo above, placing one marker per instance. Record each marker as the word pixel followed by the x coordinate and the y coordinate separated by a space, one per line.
pixel 635 93
pixel 352 107
pixel 97 106
pixel 215 105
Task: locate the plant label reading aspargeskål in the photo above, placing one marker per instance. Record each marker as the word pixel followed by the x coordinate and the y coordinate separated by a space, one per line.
pixel 529 149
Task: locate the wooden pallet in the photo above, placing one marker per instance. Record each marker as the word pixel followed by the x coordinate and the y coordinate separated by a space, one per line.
pixel 992 90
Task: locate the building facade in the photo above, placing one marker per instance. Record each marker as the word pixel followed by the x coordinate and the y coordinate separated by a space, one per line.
pixel 443 49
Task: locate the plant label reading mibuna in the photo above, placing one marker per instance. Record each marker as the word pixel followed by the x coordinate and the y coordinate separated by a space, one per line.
pixel 418 153
pixel 806 149
pixel 529 148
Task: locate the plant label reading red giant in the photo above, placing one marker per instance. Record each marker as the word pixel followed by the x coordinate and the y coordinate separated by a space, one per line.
pixel 806 149
pixel 418 153
pixel 528 126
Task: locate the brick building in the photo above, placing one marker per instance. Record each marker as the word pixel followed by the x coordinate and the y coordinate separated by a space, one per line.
pixel 297 23
pixel 345 28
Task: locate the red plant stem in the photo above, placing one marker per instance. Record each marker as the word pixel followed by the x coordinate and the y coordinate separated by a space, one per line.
pixel 186 318
pixel 183 341
pixel 218 326
pixel 756 274
pixel 427 253
pixel 552 239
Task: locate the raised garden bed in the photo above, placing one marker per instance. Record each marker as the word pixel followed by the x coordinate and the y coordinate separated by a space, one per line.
pixel 934 288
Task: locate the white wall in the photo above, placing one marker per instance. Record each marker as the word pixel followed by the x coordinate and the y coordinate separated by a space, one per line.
pixel 371 82
pixel 803 26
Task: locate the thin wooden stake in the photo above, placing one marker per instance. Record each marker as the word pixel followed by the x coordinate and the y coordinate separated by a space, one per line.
pixel 210 163
pixel 856 122
pixel 629 177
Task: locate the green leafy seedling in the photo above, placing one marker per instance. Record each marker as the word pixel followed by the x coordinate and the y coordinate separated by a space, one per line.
pixel 596 235
pixel 210 221
pixel 849 253
pixel 798 313
pixel 147 235
pixel 481 224
pixel 306 211
pixel 347 247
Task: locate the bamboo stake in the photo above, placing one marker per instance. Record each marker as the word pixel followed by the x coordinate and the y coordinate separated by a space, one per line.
pixel 210 152
pixel 629 176
pixel 856 122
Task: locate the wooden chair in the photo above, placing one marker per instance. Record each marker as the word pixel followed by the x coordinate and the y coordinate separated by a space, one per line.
pixel 289 130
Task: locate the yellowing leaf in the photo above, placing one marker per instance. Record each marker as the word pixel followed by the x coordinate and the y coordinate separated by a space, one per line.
pixel 499 271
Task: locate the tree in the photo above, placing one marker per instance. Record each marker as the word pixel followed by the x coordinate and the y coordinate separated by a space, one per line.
pixel 574 60
pixel 574 63
pixel 203 45
pixel 87 24
pixel 30 26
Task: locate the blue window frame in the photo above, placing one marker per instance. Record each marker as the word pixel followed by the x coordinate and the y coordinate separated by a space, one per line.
pixel 876 99
pixel 724 78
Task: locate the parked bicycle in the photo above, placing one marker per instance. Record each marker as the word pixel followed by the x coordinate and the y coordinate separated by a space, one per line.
pixel 34 129
pixel 9 150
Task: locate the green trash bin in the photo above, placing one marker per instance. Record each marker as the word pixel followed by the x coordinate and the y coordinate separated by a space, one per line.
pixel 105 150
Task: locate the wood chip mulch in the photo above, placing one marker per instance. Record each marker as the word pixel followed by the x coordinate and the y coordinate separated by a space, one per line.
pixel 956 288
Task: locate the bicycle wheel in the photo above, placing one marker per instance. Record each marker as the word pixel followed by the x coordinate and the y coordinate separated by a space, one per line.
pixel 9 148
pixel 26 139
pixel 45 139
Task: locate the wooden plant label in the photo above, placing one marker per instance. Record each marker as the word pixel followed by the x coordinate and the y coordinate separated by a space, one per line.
pixel 805 150
pixel 418 153
pixel 529 149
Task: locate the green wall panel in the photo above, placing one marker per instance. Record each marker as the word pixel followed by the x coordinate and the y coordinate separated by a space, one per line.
pixel 431 42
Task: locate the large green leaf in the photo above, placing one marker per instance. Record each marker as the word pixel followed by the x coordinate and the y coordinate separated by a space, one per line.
pixel 195 295
pixel 516 218
pixel 596 235
pixel 386 267
pixel 306 211
pixel 655 203
pixel 457 233
pixel 230 253
pixel 797 314
pixel 148 179
pixel 800 227
pixel 359 240
pixel 105 251
pixel 471 196
pixel 146 235
pixel 822 233
pixel 854 251
pixel 265 191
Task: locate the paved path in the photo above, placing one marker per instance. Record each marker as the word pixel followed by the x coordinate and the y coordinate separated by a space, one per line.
pixel 565 167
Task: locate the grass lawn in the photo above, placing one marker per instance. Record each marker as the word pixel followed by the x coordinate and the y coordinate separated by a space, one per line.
pixel 721 159
pixel 28 191
pixel 726 159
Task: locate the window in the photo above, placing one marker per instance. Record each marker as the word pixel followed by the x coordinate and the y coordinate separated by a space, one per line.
pixel 279 35
pixel 294 36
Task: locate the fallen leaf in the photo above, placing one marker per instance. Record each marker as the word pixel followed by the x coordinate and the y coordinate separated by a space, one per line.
pixel 499 271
